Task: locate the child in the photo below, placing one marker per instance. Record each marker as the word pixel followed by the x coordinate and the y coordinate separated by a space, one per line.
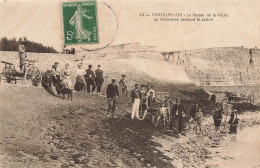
pixel 217 119
pixel 233 122
pixel 162 114
pixel 198 118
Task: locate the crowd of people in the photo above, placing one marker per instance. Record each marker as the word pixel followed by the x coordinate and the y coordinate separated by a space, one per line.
pixel 143 98
pixel 85 79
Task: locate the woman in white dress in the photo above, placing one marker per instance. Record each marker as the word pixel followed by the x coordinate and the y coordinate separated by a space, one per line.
pixel 80 79
pixel 66 77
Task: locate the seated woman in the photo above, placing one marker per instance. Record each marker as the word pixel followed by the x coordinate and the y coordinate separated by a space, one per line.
pixel 56 81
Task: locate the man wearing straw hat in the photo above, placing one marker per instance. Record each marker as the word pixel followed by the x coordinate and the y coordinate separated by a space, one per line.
pixel 136 98
pixel 112 94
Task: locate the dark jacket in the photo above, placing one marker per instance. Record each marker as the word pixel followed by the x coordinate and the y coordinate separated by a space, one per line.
pixel 217 116
pixel 193 112
pixel 90 74
pixel 180 109
pixel 136 94
pixel 112 91
pixel 233 120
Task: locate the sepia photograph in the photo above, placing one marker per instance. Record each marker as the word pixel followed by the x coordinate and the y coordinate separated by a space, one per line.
pixel 129 84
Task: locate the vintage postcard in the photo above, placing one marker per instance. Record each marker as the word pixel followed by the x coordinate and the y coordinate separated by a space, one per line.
pixel 129 84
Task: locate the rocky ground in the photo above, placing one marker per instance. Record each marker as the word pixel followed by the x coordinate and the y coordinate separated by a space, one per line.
pixel 41 130
pixel 195 150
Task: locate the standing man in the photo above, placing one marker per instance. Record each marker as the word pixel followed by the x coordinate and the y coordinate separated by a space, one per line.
pixel 178 112
pixel 143 104
pixel 99 79
pixel 22 55
pixel 112 94
pixel 136 96
pixel 90 79
pixel 122 83
pixel 151 102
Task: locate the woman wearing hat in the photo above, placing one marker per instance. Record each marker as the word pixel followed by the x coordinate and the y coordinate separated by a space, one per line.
pixel 80 80
pixel 99 78
pixel 66 77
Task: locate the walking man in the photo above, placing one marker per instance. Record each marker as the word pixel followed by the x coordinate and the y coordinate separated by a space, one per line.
pixel 178 112
pixel 136 96
pixel 112 94
pixel 90 79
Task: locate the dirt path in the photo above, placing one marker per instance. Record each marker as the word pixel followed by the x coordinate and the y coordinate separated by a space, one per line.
pixel 40 130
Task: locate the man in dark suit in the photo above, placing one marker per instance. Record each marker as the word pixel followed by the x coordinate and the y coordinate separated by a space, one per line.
pixel 90 79
pixel 178 112
pixel 112 94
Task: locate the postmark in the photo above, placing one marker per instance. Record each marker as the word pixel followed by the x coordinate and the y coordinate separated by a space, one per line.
pixel 80 24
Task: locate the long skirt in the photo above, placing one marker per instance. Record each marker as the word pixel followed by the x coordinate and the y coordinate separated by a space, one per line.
pixel 80 83
pixel 67 82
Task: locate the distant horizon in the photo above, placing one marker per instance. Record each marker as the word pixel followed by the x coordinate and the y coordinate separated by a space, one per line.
pixel 114 45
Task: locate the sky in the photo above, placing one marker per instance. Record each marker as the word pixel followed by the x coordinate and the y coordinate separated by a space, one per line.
pixel 40 21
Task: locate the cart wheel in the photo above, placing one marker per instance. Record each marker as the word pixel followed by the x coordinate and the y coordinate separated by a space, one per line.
pixel 32 76
pixel 7 77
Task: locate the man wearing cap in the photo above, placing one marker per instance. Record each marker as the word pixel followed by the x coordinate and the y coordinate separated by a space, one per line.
pixel 136 96
pixel 99 79
pixel 122 83
pixel 178 112
pixel 90 79
pixel 112 94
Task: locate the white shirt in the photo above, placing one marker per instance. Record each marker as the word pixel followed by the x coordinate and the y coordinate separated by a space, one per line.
pixel 80 71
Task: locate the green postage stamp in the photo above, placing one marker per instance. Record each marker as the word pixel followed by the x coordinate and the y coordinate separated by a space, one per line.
pixel 80 22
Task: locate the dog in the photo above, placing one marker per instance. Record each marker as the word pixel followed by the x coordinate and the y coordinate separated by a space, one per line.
pixel 67 91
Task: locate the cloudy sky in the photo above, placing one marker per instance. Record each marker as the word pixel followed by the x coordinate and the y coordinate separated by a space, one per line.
pixel 40 21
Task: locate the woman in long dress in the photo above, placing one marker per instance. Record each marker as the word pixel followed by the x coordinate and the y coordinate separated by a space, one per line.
pixel 80 79
pixel 66 75
pixel 77 21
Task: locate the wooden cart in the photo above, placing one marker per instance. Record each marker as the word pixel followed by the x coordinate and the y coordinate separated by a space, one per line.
pixel 31 75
